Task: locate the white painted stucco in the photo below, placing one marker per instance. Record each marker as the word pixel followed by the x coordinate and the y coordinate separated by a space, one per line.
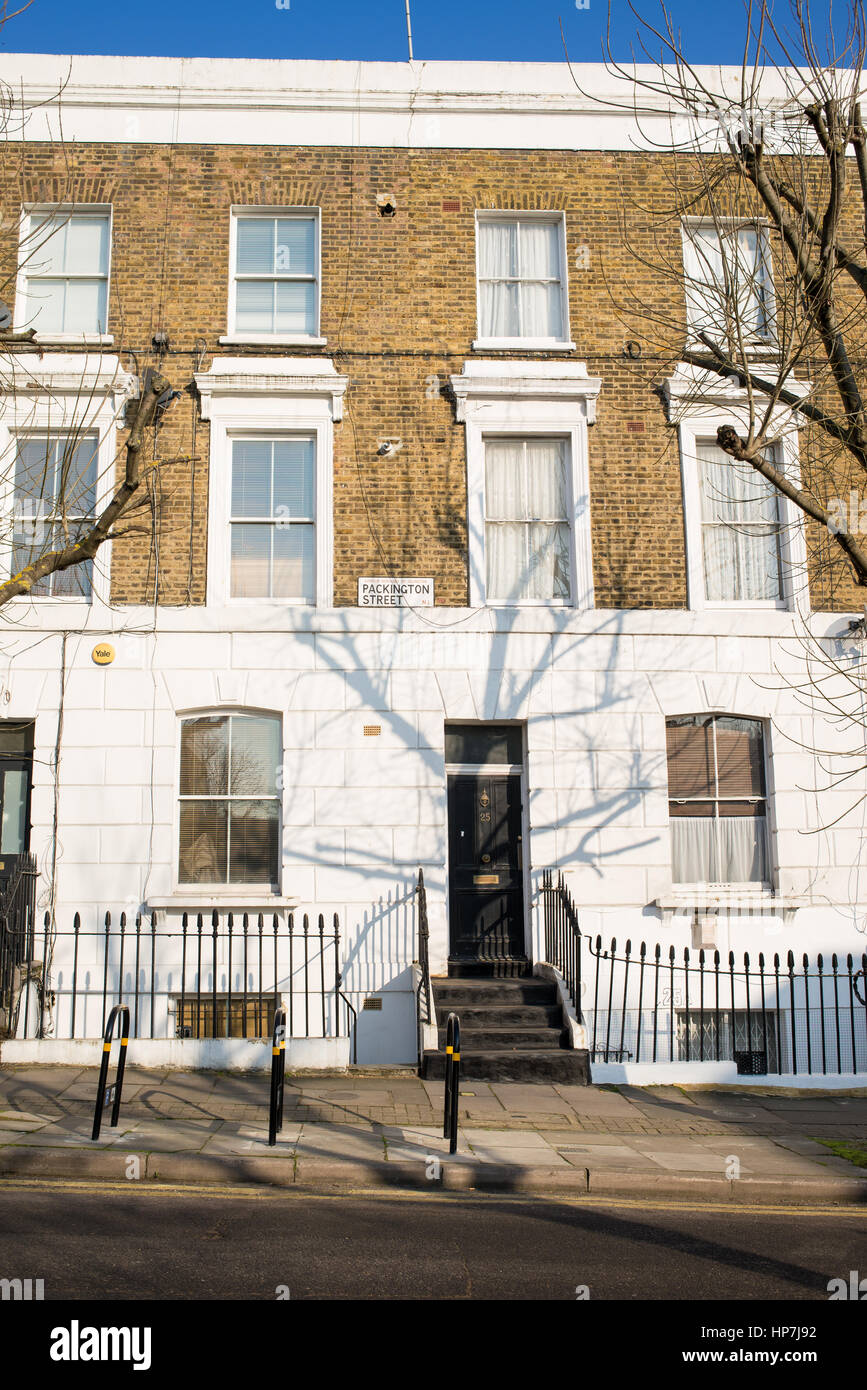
pixel 361 814
pixel 446 105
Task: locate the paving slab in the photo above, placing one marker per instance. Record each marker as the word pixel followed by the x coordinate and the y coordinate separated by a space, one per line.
pixel 322 1141
pixel 518 1157
pixel 382 1128
pixel 505 1138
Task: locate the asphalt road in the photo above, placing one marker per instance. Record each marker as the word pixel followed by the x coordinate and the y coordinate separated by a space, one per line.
pixel 95 1241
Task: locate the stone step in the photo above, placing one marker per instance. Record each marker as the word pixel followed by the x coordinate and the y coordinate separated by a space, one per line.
pixel 566 1066
pixel 505 1039
pixel 454 994
pixel 501 1015
pixel 501 967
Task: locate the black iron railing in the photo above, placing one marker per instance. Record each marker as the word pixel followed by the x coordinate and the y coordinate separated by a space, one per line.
pixel 423 992
pixel 208 976
pixel 563 935
pixel 771 1015
pixel 17 922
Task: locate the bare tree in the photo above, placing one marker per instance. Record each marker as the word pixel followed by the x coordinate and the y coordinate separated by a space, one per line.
pixel 754 239
pixel 762 245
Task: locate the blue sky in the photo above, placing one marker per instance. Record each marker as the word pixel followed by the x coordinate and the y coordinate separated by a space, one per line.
pixel 467 29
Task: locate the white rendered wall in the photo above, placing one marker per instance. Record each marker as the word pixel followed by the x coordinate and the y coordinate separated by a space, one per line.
pixel 362 814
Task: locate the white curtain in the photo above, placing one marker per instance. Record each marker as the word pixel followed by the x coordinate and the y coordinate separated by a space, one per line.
pixel 704 277
pixel 751 284
pixel 519 276
pixel 527 532
pixel 540 302
pixel 727 282
pixel 740 529
pixel 732 849
pixel 498 259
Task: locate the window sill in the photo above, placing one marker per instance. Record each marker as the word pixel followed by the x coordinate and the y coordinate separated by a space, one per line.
pixel 225 900
pixel 276 340
pixel 700 899
pixel 745 605
pixel 523 345
pixel 71 339
pixel 561 605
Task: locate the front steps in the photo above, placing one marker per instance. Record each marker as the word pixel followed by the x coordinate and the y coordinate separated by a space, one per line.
pixel 511 1029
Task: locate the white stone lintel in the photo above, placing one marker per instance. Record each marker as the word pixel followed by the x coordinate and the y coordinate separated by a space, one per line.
pixel 272 377
pixel 484 379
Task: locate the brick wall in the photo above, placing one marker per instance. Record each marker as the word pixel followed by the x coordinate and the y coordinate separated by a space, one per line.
pixel 399 316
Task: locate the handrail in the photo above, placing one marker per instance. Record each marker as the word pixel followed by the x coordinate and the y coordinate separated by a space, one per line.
pixel 101 1098
pixel 453 1080
pixel 424 969
pixel 278 1073
pixel 338 992
pixel 563 935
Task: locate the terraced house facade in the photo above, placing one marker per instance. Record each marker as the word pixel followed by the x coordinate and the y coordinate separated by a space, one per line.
pixel 426 576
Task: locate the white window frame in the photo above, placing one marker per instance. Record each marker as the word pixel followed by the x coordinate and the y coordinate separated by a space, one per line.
pixel 489 437
pixel 765 887
pixel 523 400
pixel 249 397
pixel 699 402
pixel 758 345
pixel 228 893
pixel 23 315
pixel 563 343
pixel 239 437
pixel 793 556
pixel 71 392
pixel 233 334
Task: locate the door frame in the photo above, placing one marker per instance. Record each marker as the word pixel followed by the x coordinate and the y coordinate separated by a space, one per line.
pixel 496 770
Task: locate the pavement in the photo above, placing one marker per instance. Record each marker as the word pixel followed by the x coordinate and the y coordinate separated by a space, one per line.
pixel 383 1128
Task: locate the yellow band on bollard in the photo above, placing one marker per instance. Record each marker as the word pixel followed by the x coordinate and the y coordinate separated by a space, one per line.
pixel 124 1041
pixel 457 1057
pixel 274 1051
pixel 106 1047
pixel 449 1049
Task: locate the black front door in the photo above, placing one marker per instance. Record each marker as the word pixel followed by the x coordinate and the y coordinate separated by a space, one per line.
pixel 486 890
pixel 16 774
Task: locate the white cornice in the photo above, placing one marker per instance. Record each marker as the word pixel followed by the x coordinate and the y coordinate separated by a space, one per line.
pixel 484 380
pixel 84 375
pixel 691 388
pixel 451 105
pixel 272 377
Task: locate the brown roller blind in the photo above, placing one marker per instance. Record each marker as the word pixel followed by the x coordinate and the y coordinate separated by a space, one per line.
pixel 739 757
pixel 690 757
